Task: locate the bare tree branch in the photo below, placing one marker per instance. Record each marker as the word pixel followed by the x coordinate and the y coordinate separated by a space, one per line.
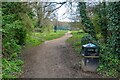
pixel 62 3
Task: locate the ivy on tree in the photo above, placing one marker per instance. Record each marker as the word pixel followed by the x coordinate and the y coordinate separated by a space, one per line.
pixel 85 19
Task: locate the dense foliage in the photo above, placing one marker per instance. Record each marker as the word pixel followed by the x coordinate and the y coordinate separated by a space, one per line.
pixel 89 28
pixel 17 25
pixel 101 11
pixel 107 15
pixel 13 37
pixel 112 46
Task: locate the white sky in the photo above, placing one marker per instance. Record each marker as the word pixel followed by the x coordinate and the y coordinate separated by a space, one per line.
pixel 63 12
pixel 62 15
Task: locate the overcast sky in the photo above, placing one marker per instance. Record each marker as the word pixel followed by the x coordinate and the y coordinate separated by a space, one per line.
pixel 63 12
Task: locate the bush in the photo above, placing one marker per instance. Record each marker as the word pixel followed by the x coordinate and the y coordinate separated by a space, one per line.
pixel 11 68
pixel 13 36
pixel 16 24
pixel 109 62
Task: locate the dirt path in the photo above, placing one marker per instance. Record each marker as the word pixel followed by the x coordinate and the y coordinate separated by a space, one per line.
pixel 53 59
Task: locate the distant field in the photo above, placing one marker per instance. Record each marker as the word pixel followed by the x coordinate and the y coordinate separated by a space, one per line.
pixel 37 38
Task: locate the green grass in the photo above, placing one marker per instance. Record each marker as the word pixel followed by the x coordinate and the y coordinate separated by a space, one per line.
pixel 75 40
pixel 11 68
pixel 37 38
pixel 54 35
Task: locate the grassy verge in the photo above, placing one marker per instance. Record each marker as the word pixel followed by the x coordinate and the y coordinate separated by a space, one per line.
pixel 75 40
pixel 37 38
pixel 54 35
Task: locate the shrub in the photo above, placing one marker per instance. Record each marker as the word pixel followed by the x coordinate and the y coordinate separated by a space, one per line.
pixel 109 62
pixel 13 36
pixel 11 68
